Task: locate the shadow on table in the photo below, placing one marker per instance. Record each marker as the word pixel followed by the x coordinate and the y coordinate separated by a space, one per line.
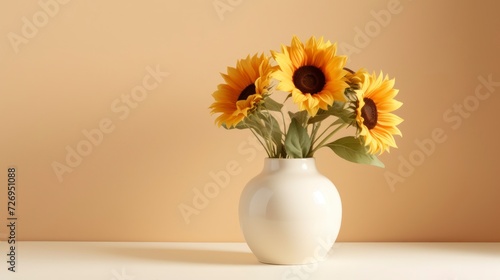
pixel 396 248
pixel 198 256
pixel 463 248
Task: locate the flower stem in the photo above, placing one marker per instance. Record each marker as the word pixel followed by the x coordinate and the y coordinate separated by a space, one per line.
pixel 315 131
pixel 284 122
pixel 321 144
pixel 322 133
pixel 260 141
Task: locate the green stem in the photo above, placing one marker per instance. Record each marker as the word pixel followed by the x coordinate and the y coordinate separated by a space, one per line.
pixel 315 131
pixel 326 138
pixel 274 146
pixel 284 123
pixel 258 139
pixel 322 133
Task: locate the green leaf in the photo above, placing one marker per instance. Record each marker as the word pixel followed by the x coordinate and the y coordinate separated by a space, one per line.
pixel 297 141
pixel 273 130
pixel 240 125
pixel 254 121
pixel 272 105
pixel 319 117
pixel 351 149
pixel 337 109
pixel 300 116
pixel 338 121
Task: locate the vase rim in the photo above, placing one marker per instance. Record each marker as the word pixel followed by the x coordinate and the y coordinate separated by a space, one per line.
pixel 301 163
pixel 290 159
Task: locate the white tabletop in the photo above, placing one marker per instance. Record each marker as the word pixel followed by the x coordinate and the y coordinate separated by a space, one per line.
pixel 167 260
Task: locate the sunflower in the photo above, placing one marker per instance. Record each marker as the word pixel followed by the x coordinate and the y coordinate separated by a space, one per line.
pixel 312 73
pixel 375 102
pixel 244 89
pixel 355 79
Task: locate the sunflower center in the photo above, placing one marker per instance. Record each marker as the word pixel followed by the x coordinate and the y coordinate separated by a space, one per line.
pixel 369 113
pixel 249 90
pixel 309 79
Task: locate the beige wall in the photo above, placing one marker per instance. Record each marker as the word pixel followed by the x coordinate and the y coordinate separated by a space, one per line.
pixel 69 72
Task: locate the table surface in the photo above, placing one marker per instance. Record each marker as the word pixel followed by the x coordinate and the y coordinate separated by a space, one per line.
pixel 170 260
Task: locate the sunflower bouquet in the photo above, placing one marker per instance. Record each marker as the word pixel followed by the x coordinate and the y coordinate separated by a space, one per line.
pixel 329 97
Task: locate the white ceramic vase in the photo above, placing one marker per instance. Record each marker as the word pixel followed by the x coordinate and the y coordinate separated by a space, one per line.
pixel 290 213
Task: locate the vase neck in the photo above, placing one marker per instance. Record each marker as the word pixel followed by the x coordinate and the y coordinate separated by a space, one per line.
pixel 296 164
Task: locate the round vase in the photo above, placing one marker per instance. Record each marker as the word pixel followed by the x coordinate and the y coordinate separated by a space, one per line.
pixel 290 213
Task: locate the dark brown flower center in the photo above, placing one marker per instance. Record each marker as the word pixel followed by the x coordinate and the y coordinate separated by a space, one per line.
pixel 369 113
pixel 309 79
pixel 249 90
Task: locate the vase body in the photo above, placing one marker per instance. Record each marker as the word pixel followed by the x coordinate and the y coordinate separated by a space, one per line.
pixel 290 213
